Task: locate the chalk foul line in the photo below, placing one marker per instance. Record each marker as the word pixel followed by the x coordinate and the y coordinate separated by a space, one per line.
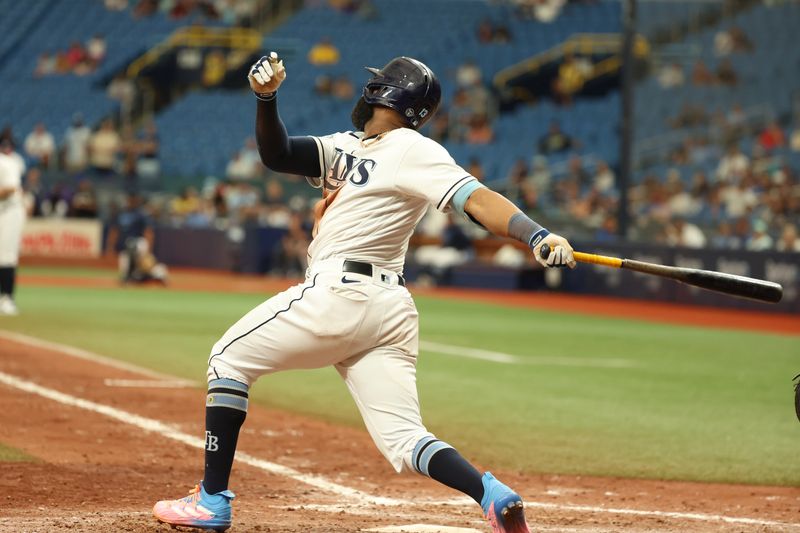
pixel 361 500
pixel 509 359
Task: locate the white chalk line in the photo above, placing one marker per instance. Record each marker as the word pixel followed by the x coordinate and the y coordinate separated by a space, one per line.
pixel 509 359
pixel 363 499
pixel 86 355
pixel 154 426
pixel 149 383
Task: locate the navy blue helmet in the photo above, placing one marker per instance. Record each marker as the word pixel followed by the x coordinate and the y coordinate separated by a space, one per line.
pixel 406 85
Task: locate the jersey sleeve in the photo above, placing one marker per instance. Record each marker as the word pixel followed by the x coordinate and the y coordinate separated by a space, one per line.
pixel 326 146
pixel 427 171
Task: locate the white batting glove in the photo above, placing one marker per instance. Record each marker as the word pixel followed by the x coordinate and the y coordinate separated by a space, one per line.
pixel 266 75
pixel 560 252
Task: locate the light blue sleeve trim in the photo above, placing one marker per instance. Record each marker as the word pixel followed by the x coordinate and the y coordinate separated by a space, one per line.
pixel 459 199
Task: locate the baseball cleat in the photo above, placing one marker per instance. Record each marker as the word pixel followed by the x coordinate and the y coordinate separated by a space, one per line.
pixel 199 509
pixel 502 507
pixel 7 306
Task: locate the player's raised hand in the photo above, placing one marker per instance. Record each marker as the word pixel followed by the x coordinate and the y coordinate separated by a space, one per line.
pixel 267 74
pixel 559 255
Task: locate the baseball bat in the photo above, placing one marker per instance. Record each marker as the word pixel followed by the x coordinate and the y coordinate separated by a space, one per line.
pixel 744 287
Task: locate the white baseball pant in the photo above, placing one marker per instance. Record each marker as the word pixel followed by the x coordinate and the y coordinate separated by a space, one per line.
pixel 12 219
pixel 367 327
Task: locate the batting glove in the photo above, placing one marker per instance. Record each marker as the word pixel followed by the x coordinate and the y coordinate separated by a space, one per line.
pixel 560 252
pixel 266 75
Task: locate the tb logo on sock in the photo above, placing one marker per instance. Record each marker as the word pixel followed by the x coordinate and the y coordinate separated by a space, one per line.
pixel 212 442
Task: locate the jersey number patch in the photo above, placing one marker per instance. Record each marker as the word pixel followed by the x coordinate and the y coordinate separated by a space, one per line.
pixel 347 167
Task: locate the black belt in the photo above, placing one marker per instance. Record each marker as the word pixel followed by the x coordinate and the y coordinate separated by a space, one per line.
pixel 357 267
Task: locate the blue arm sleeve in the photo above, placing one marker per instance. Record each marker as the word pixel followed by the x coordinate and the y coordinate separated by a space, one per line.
pixel 459 199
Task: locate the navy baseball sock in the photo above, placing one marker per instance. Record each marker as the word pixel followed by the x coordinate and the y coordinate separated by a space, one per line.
pixel 7 280
pixel 226 409
pixel 442 462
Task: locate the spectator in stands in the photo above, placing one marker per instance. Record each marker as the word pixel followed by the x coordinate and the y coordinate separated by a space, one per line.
pixel 239 168
pixel 480 131
pixel 689 116
pixel 460 115
pixel 33 192
pixel 671 75
pixel 76 145
pixel 291 255
pixel 76 54
pixel 604 179
pixel 122 90
pixel 96 50
pixel 56 202
pixel 84 201
pixel 724 237
pixel 502 34
pixel 789 241
pixel 475 168
pixel 570 79
pixel 515 180
pixel 680 202
pixel 323 85
pixel 540 176
pixel 576 173
pixel 104 146
pixel 772 137
pixel 440 127
pixel 794 140
pixel 250 153
pixel 683 233
pixel 741 42
pixel 186 203
pixel 45 65
pixel 148 165
pixel 324 53
pixel 701 75
pixel 555 141
pixel 116 5
pixel 468 74
pixel 726 74
pixel 733 165
pixel 145 8
pixel 760 240
pixel 40 146
pixel 723 43
pixel 485 31
pixel 739 198
pixel 342 89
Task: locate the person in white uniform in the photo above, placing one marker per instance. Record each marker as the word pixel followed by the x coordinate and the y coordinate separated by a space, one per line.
pixel 12 219
pixel 353 310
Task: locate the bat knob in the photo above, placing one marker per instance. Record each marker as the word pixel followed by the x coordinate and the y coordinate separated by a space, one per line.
pixel 544 251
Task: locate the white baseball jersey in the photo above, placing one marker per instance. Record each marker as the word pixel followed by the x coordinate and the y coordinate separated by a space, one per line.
pixel 12 209
pixel 381 188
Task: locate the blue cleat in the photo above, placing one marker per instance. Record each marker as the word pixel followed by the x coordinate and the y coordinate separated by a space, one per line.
pixel 502 507
pixel 199 509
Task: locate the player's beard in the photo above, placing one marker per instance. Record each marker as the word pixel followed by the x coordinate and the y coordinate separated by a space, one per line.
pixel 361 114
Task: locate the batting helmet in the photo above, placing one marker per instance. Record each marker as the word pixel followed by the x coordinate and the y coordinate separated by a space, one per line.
pixel 406 85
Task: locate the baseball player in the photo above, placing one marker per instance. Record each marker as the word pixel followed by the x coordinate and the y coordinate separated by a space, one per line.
pixel 12 218
pixel 353 310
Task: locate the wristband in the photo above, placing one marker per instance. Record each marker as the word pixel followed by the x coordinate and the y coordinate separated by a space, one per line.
pixel 266 97
pixel 526 230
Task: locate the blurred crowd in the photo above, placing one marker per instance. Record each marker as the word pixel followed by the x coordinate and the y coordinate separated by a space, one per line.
pixel 233 12
pixel 79 59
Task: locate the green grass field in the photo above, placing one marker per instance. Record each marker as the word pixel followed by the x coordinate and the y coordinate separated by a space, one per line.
pixel 688 403
pixel 11 455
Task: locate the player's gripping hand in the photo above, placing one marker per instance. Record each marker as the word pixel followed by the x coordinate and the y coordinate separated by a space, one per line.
pixel 560 252
pixel 266 75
